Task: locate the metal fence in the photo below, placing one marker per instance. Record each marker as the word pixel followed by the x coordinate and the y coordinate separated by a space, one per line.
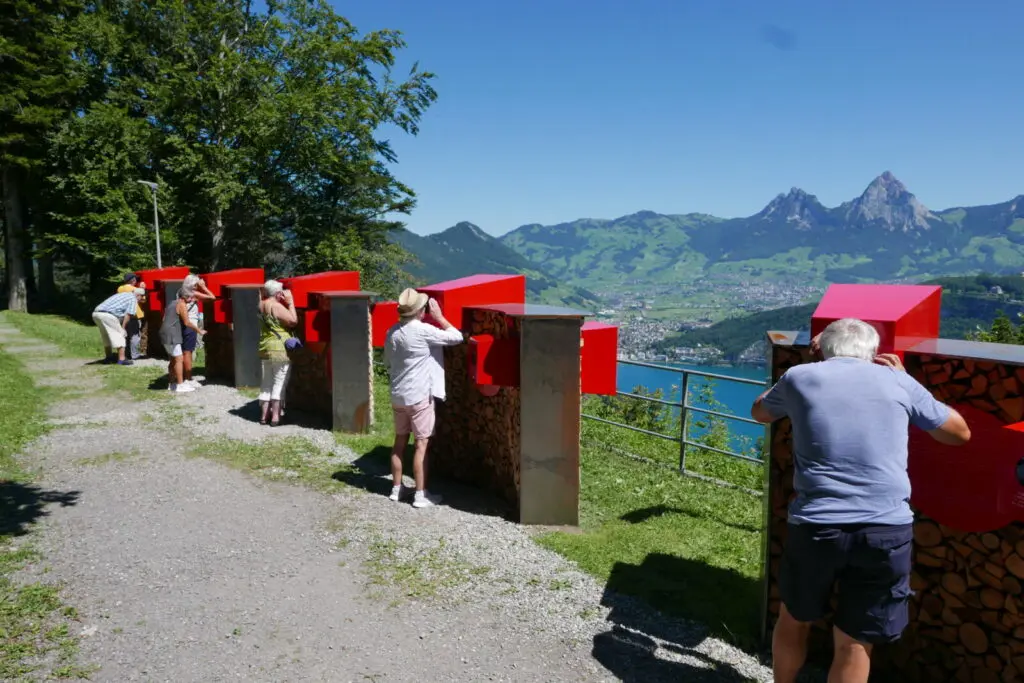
pixel 685 408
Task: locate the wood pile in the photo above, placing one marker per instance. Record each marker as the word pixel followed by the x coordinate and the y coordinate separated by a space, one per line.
pixel 477 436
pixel 967 611
pixel 219 348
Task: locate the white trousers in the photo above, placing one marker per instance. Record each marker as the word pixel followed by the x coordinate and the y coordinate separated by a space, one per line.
pixel 275 376
pixel 110 330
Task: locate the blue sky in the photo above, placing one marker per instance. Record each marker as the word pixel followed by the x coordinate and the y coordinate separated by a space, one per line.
pixel 557 110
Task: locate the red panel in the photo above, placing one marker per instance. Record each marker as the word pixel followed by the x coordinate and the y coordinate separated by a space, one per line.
pixel 332 281
pixel 455 295
pixel 384 315
pixel 903 314
pixel 239 276
pixel 493 362
pixel 974 487
pixel 222 311
pixel 149 277
pixel 599 345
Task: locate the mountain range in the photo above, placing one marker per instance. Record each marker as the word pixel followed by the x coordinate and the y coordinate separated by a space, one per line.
pixel 885 234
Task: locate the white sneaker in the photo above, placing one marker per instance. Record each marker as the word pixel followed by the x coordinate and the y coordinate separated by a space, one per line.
pixel 398 492
pixel 193 383
pixel 184 388
pixel 172 387
pixel 426 500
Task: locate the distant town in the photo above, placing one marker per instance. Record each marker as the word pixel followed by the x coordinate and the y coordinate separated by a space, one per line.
pixel 646 318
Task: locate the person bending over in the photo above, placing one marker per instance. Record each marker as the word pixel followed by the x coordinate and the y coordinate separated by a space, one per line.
pixel 851 517
pixel 112 317
pixel 412 353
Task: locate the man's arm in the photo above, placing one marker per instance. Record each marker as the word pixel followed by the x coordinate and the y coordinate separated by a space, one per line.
pixel 771 405
pixel 448 335
pixel 943 423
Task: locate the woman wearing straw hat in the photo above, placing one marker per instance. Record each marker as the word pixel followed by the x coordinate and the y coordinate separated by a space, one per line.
pixel 412 353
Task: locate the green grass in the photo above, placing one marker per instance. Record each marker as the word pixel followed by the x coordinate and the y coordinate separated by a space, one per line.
pixel 34 624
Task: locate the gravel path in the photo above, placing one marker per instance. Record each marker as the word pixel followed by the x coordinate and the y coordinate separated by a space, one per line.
pixel 184 569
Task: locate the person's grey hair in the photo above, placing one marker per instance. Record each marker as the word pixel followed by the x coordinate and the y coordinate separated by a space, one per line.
pixel 849 338
pixel 272 288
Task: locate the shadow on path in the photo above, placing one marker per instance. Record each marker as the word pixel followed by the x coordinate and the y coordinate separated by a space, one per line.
pixel 372 472
pixel 297 418
pixel 21 505
pixel 645 645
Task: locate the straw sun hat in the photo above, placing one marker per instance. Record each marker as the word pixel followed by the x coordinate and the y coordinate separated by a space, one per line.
pixel 411 302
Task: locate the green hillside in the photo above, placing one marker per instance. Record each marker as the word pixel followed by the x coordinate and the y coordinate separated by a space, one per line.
pixel 465 249
pixel 786 252
pixel 967 305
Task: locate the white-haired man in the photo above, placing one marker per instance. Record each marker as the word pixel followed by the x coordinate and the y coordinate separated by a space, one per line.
pixel 851 518
pixel 112 317
pixel 412 353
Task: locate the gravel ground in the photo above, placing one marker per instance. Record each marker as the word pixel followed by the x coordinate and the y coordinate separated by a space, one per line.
pixel 186 570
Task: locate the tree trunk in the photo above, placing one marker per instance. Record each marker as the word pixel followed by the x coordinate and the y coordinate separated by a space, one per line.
pixel 47 286
pixel 217 239
pixel 17 284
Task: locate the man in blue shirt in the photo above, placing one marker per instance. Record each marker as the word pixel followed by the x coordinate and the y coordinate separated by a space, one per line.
pixel 112 317
pixel 851 519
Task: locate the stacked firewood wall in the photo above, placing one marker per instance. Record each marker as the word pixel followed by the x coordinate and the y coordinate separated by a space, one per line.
pixel 309 383
pixel 477 437
pixel 219 347
pixel 967 611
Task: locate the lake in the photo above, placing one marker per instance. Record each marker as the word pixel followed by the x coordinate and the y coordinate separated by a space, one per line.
pixel 735 396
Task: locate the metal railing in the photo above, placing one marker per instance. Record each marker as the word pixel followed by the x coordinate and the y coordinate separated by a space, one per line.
pixel 685 409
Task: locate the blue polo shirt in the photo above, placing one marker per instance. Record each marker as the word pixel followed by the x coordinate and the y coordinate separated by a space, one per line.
pixel 850 427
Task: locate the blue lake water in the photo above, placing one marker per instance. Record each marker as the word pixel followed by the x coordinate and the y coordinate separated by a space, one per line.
pixel 735 397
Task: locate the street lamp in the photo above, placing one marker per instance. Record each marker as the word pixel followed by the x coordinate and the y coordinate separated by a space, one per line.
pixel 156 220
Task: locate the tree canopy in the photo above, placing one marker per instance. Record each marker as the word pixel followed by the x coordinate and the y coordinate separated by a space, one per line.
pixel 264 125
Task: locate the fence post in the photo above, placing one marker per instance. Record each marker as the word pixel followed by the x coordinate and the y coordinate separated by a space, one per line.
pixel 682 421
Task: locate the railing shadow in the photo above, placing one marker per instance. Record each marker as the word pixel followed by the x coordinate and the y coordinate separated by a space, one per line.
pixel 644 514
pixel 21 505
pixel 372 472
pixel 645 645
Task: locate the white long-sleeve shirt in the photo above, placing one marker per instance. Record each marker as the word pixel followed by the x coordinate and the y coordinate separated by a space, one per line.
pixel 413 354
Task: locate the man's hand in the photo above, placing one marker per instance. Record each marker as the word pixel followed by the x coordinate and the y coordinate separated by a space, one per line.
pixel 890 360
pixel 434 309
pixel 816 346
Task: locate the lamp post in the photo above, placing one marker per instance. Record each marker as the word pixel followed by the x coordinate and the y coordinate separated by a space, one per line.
pixel 156 220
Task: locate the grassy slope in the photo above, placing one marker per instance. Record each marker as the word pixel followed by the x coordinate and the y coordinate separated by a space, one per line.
pixel 34 624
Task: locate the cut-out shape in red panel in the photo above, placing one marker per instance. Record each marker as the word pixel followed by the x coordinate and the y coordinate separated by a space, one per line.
pixel 904 315
pixel 455 295
pixel 599 362
pixel 215 283
pixel 974 487
pixel 330 281
pixel 383 317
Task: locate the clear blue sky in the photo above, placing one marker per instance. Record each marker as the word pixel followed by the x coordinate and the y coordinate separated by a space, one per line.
pixel 554 110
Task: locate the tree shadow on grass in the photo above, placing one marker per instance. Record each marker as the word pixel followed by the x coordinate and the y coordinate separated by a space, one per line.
pixel 657 641
pixel 644 514
pixel 21 505
pixel 372 472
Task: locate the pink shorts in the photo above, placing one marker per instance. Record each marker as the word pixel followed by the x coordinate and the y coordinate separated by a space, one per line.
pixel 417 420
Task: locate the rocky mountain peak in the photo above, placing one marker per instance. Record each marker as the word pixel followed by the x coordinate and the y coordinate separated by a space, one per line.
pixel 888 203
pixel 796 207
pixel 465 229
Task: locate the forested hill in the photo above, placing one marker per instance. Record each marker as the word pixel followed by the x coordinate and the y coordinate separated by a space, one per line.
pixel 967 304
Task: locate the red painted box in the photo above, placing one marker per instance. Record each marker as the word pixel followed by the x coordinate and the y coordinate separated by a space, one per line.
pixel 151 279
pixel 384 315
pixel 493 362
pixel 455 295
pixel 599 358
pixel 331 281
pixel 904 315
pixel 238 276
